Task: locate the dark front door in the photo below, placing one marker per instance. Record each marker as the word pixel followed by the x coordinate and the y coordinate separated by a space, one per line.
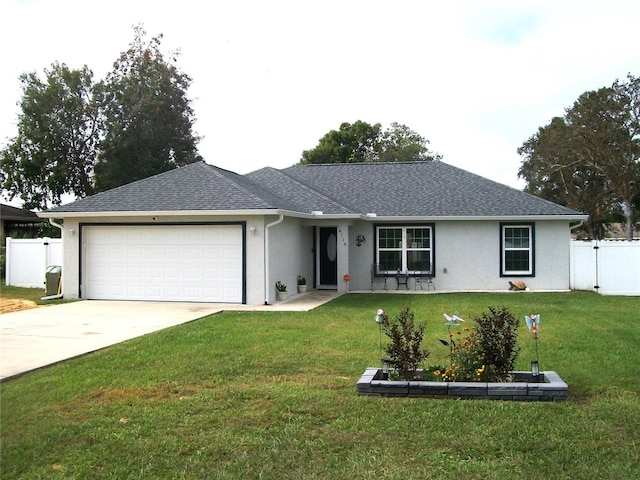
pixel 328 259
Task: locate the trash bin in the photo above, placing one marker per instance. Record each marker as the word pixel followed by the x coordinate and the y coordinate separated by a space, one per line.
pixel 52 280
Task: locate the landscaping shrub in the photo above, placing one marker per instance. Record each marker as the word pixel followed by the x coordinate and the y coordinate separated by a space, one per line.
pixel 489 351
pixel 405 350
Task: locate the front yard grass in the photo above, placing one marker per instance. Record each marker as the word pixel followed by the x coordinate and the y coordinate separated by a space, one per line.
pixel 272 395
pixel 29 294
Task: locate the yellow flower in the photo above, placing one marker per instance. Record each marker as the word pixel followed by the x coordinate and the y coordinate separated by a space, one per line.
pixel 437 373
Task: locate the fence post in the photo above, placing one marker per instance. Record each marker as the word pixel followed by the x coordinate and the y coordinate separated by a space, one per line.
pixel 7 262
pixel 47 252
pixel 596 248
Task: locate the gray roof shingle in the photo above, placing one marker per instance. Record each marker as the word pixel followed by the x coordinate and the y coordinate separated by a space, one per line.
pixel 415 189
pixel 197 186
pixel 419 189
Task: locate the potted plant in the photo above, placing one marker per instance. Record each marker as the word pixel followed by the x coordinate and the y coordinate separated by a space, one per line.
pixel 281 291
pixel 302 284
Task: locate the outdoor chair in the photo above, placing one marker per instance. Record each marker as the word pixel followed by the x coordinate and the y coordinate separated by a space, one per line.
pixel 424 277
pixel 425 280
pixel 375 268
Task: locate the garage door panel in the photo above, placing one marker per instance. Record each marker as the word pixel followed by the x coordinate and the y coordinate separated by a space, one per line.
pixel 179 263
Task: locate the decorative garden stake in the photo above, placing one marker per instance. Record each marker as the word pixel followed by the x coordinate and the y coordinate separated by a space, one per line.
pixel 451 322
pixel 386 366
pixel 533 323
pixel 380 321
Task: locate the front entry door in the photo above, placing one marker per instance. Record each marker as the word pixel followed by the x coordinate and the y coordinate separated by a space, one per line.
pixel 328 257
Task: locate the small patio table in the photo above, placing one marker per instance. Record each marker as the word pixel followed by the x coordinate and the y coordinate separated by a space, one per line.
pixel 402 278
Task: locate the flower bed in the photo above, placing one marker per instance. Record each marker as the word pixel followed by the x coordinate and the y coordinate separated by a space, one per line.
pixel 550 388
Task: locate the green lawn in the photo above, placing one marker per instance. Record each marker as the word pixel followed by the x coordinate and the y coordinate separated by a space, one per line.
pixel 32 294
pixel 272 395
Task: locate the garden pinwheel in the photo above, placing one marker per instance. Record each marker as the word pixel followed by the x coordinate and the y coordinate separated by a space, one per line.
pixel 452 321
pixel 533 324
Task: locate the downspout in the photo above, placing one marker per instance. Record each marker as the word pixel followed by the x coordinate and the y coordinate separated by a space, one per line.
pixel 266 257
pixel 52 222
pixel 577 225
pixel 60 294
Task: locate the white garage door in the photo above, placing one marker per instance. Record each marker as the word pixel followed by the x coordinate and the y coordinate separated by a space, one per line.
pixel 186 263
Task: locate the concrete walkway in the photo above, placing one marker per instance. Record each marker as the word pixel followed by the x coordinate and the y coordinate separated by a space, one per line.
pixel 38 337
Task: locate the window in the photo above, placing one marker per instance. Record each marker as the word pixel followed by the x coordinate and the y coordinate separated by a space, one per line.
pixel 516 245
pixel 404 248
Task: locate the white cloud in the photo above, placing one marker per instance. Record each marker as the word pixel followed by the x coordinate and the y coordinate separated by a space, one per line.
pixel 271 78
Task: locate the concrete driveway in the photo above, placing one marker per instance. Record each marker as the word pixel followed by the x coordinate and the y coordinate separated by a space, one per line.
pixel 37 337
pixel 34 338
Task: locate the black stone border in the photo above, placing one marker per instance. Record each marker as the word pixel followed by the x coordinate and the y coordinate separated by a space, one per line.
pixel 551 388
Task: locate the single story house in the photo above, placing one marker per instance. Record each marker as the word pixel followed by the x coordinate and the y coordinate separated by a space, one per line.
pixel 203 234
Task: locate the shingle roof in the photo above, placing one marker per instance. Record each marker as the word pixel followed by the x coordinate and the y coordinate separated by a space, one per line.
pixel 415 189
pixel 7 212
pixel 197 186
pixel 419 189
pixel 305 198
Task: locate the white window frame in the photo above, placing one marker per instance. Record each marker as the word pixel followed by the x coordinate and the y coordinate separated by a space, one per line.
pixel 504 227
pixel 404 248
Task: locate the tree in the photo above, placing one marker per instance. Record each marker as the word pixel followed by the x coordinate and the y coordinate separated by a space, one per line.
pixel 401 144
pixel 591 155
pixel 58 135
pixel 352 143
pixel 148 116
pixel 363 143
pixel 626 180
pixel 552 172
pixel 606 126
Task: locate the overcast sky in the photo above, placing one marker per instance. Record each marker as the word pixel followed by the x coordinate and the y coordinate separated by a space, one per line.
pixel 270 78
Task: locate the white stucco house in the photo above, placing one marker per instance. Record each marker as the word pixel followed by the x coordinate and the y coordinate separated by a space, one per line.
pixel 203 234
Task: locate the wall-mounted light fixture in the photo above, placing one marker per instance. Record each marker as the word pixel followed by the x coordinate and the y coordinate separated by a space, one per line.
pixel 252 230
pixel 72 231
pixel 360 240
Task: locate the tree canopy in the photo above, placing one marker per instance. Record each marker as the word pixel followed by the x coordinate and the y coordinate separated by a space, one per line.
pixel 361 142
pixel 57 142
pixel 148 115
pixel 589 159
pixel 78 137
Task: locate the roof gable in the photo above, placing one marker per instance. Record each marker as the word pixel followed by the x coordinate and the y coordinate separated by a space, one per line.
pixel 197 186
pixel 305 198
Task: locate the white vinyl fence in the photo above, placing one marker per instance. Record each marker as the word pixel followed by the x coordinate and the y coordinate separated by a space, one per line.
pixel 609 267
pixel 28 259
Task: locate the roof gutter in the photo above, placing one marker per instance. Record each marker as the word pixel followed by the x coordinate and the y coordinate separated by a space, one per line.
pixel 505 218
pixel 156 213
pixel 266 257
